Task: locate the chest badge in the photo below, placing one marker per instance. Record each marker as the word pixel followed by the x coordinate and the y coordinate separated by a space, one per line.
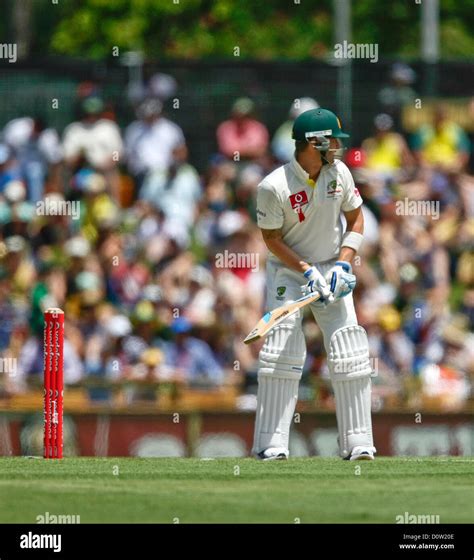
pixel 297 201
pixel 333 190
pixel 281 292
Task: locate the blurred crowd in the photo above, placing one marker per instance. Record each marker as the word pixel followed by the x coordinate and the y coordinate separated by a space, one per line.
pixel 117 227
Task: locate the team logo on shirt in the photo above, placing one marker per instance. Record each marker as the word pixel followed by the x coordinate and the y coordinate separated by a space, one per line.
pixel 297 201
pixel 280 292
pixel 333 190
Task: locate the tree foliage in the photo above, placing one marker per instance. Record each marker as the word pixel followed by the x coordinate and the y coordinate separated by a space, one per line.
pixel 195 29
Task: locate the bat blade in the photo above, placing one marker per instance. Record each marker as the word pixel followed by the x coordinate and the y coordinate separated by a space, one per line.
pixel 273 318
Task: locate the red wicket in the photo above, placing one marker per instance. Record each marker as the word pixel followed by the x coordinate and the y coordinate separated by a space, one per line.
pixel 53 383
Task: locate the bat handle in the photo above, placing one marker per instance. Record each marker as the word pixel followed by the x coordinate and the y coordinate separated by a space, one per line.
pixel 327 294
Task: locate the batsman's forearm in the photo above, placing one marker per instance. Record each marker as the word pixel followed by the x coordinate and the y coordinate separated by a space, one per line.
pixel 346 254
pixel 355 224
pixel 287 256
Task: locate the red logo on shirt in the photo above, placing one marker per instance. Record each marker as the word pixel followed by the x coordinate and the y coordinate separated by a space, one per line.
pixel 297 200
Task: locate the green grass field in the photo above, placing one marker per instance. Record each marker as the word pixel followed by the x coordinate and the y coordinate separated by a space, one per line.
pixel 316 490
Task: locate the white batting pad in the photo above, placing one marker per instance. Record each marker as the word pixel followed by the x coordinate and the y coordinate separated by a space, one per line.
pixel 281 364
pixel 350 370
pixel 276 403
pixel 284 349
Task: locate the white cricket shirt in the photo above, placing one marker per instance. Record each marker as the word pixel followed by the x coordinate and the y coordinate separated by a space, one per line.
pixel 308 214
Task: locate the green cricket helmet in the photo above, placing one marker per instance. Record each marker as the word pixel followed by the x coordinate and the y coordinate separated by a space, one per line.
pixel 317 122
pixel 319 125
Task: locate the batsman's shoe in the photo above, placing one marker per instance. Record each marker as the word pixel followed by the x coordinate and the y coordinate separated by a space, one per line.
pixel 273 454
pixel 360 453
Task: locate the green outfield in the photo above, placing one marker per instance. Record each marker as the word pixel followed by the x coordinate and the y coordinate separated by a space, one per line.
pixel 317 490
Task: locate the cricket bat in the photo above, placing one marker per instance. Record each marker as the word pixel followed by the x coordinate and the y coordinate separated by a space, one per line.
pixel 272 318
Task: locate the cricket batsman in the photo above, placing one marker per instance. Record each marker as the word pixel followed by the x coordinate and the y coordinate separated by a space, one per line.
pixel 299 209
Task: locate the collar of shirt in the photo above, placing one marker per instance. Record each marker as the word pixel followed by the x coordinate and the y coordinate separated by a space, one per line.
pixel 300 172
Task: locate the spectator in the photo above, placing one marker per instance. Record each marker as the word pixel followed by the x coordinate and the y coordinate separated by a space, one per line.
pixel 202 297
pixel 143 137
pixel 176 190
pixel 283 146
pixel 445 379
pixel 387 153
pixel 162 86
pixel 160 254
pixel 190 357
pixel 98 209
pixel 38 150
pixel 30 363
pixel 106 355
pixel 242 136
pixel 10 169
pixel 18 266
pixel 398 93
pixel 95 142
pixel 443 145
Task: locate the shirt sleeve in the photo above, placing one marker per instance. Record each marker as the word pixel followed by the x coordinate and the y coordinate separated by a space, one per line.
pixel 112 132
pixel 72 141
pixel 269 209
pixel 178 136
pixel 226 139
pixel 352 198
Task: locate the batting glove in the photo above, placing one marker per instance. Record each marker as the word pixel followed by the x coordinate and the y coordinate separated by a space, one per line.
pixel 340 279
pixel 317 283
